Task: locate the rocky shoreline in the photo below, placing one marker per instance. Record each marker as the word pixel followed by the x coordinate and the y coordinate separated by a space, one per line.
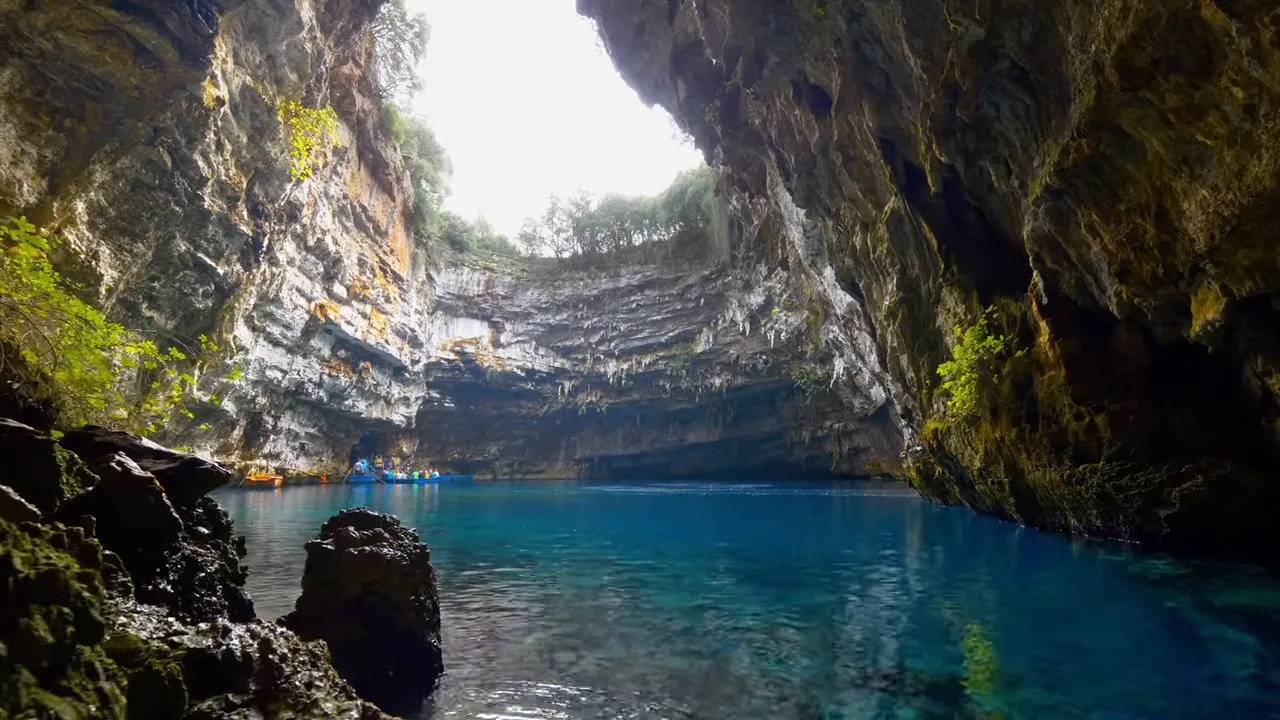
pixel 122 588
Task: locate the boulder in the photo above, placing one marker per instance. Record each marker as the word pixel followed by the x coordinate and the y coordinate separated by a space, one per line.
pixel 14 509
pixel 369 591
pixel 185 478
pixel 131 510
pixel 231 670
pixel 40 471
pixel 184 559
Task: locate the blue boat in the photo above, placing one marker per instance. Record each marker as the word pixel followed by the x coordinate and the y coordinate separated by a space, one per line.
pixel 361 479
pixel 444 478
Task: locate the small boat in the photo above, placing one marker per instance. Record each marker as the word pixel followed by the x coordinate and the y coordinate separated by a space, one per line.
pixel 263 480
pixel 362 479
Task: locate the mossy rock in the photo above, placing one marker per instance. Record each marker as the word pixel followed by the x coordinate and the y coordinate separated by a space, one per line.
pixel 52 606
pixel 156 690
pixel 42 472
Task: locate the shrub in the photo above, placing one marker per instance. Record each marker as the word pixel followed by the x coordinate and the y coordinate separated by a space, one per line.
pixel 310 129
pixel 977 360
pixel 811 382
pixel 85 364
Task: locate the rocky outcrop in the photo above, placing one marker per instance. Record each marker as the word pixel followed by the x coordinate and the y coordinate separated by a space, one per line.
pixel 185 478
pixel 31 457
pixel 369 592
pixel 52 623
pixel 1094 172
pixel 77 644
pixel 234 671
pixel 182 558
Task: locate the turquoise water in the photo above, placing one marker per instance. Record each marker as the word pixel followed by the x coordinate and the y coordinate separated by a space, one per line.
pixel 793 601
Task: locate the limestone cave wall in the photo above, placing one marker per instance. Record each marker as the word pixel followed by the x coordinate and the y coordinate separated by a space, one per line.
pixel 1101 174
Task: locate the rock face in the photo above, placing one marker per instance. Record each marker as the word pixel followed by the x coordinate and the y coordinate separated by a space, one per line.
pixel 149 138
pixel 185 478
pixel 77 644
pixel 369 592
pixel 233 671
pixel 183 558
pixel 1096 172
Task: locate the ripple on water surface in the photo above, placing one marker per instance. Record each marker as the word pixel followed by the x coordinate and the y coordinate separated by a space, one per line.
pixel 793 600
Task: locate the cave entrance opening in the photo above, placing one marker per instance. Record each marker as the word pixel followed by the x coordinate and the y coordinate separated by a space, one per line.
pixel 371 444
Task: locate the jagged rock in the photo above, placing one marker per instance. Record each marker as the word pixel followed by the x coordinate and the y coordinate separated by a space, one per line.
pixel 234 671
pixel 155 686
pixel 175 196
pixel 131 511
pixel 184 477
pixel 38 469
pixel 14 509
pixel 52 619
pixel 369 591
pixel 185 559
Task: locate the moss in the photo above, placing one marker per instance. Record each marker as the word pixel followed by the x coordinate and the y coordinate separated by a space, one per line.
pixel 52 606
pixel 40 470
pixel 156 690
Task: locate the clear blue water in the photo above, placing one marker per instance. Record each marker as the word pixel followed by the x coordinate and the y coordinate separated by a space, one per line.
pixel 793 601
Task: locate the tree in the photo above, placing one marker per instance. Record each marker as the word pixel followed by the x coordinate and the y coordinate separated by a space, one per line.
pixel 687 214
pixel 90 369
pixel 399 43
pixel 428 165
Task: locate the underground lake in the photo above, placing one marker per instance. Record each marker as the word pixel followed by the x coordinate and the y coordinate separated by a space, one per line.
pixel 792 600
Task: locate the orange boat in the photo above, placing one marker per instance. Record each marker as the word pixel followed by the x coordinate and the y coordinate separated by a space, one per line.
pixel 263 480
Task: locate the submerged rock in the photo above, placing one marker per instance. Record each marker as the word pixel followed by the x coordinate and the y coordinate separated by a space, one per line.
pixel 184 477
pixel 369 592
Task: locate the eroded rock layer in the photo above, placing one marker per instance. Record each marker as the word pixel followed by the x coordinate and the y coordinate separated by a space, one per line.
pixel 1102 174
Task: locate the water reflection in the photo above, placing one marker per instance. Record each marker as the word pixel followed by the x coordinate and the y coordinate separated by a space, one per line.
pixel 690 600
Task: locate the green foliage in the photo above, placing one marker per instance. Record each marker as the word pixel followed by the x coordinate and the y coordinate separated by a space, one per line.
pixel 473 236
pixel 977 361
pixel 810 381
pixel 686 219
pixel 93 370
pixel 393 124
pixel 310 130
pixel 399 42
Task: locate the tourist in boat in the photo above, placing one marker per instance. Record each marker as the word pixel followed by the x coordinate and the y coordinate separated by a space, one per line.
pixel 413 475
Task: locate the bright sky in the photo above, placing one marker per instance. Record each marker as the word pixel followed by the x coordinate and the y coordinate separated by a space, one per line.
pixel 527 104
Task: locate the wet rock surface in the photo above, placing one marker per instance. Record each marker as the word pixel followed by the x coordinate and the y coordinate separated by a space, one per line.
pixel 184 477
pixel 156 628
pixel 239 670
pixel 183 558
pixel 30 457
pixel 369 592
pixel 1093 172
